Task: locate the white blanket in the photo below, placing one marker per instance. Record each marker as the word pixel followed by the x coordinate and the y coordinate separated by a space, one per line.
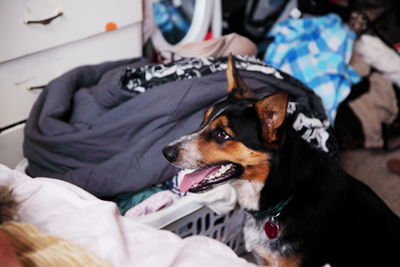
pixel 67 211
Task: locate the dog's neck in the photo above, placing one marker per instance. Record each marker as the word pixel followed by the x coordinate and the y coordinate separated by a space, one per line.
pixel 282 183
pixel 248 193
pixel 270 212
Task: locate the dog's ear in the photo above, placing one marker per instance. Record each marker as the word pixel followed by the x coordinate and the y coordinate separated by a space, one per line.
pixel 271 111
pixel 236 86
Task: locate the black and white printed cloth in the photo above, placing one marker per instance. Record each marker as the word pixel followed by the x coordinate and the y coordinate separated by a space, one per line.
pixel 138 80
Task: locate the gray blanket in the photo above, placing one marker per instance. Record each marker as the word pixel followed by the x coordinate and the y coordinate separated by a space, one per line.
pixel 103 127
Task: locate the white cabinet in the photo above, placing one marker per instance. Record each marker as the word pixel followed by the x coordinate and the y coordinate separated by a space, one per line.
pixel 77 19
pixel 33 54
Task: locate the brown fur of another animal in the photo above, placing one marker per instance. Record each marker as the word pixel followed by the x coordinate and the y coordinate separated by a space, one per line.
pixel 8 204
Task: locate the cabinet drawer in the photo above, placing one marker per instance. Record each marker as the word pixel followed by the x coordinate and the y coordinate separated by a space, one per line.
pixel 40 68
pixel 79 19
pixel 11 146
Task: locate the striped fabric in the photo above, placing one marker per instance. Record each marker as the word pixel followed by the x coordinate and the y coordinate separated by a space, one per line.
pixel 317 52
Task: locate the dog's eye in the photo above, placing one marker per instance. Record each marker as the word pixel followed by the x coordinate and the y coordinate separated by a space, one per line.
pixel 221 135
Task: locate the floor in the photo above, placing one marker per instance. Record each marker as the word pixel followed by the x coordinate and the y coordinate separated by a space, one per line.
pixel 369 166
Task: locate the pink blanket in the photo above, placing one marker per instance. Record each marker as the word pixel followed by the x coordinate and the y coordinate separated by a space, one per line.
pixel 67 211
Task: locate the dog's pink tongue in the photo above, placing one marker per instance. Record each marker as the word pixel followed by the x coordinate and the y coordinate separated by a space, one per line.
pixel 195 177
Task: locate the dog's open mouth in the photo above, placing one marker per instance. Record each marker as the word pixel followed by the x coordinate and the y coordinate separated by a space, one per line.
pixel 205 178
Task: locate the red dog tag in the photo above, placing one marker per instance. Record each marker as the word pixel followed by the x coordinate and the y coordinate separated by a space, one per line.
pixel 271 229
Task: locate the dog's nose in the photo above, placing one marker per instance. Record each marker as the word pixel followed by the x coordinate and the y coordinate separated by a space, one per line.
pixel 170 153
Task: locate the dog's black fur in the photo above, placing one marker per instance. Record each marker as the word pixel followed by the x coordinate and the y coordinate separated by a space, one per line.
pixel 331 217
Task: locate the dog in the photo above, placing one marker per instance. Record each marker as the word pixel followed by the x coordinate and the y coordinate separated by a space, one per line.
pixel 302 208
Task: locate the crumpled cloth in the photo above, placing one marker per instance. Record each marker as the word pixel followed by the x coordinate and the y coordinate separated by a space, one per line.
pixel 316 51
pixel 217 47
pixel 377 106
pixel 221 199
pixel 126 201
pixel 65 210
pixel 380 56
pixel 152 204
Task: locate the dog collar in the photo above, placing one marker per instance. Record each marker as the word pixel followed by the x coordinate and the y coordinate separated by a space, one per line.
pixel 271 228
pixel 271 212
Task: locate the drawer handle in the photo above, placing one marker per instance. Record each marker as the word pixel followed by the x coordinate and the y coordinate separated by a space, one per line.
pixel 39 87
pixel 2 129
pixel 44 21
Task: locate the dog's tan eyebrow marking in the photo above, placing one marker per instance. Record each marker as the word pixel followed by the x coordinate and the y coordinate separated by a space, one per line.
pixel 222 122
pixel 207 123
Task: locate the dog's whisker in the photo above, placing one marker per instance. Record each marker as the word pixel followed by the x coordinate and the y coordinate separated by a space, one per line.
pixel 204 164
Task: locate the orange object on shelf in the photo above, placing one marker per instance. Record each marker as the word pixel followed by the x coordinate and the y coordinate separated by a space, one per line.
pixel 110 26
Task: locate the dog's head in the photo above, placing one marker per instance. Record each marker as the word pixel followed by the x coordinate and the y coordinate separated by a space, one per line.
pixel 235 139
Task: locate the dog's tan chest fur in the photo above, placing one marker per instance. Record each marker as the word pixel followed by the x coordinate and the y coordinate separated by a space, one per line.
pixel 248 193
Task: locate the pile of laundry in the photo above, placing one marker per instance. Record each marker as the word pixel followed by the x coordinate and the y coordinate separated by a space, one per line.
pixel 345 51
pixel 321 43
pixel 103 127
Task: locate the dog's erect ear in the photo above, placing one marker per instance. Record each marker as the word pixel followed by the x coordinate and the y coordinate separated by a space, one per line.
pixel 236 86
pixel 271 111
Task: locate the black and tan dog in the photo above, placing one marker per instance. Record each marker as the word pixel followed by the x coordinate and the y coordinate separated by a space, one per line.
pixel 303 209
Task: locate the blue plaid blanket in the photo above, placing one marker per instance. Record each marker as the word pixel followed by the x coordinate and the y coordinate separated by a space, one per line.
pixel 317 52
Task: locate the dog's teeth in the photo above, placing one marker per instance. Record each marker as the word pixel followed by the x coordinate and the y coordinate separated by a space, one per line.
pixel 226 167
pixel 219 172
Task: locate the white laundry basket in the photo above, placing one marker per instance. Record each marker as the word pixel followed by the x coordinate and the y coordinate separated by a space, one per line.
pixel 186 217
